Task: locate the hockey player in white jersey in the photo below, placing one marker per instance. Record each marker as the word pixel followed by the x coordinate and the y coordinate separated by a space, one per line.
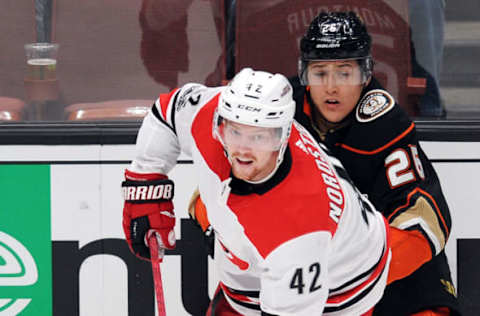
pixel 293 236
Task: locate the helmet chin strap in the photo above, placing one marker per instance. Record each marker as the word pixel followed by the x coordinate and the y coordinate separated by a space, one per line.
pixel 367 82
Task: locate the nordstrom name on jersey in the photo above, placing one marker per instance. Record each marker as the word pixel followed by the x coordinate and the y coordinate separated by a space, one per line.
pixel 334 191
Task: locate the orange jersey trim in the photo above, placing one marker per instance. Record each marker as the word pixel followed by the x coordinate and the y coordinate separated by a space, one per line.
pixel 439 311
pixel 375 151
pixel 201 214
pixel 410 250
pixel 306 106
pixel 409 196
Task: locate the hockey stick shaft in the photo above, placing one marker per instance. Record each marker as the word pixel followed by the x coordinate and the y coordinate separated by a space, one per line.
pixel 157 276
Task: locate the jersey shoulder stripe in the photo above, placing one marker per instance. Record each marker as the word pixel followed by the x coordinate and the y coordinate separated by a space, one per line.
pixel 165 104
pixel 210 149
pixel 385 130
pixel 162 107
pixel 381 148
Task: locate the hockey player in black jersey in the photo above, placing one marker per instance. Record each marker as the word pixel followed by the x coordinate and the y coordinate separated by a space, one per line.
pixel 348 110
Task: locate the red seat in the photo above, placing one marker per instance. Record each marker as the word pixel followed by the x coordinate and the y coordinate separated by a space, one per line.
pixel 108 110
pixel 11 109
pixel 274 46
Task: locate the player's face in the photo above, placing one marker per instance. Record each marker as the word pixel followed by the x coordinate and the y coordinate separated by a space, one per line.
pixel 335 87
pixel 253 151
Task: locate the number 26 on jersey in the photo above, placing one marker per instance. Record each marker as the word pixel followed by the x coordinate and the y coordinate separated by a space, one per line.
pixel 399 167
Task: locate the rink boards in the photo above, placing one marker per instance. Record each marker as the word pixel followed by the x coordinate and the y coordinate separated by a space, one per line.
pixel 61 244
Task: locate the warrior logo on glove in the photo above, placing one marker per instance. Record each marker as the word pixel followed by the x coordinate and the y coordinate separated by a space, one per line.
pixel 148 209
pixel 143 193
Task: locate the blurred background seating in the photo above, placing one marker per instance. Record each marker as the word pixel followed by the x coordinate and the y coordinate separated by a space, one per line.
pixel 11 109
pixel 151 46
pixel 108 110
pixel 138 52
pixel 99 53
pixel 460 76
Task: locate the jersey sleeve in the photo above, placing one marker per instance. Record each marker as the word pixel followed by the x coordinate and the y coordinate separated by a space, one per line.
pixel 407 190
pixel 386 162
pixel 165 131
pixel 294 279
pixel 412 194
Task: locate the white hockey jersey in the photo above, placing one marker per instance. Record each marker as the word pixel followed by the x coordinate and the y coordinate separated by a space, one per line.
pixel 305 242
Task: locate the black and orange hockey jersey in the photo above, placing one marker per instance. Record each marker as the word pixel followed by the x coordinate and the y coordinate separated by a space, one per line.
pixel 378 145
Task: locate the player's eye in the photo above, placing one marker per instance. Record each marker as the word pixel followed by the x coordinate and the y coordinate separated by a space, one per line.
pixel 258 138
pixel 320 74
pixel 233 132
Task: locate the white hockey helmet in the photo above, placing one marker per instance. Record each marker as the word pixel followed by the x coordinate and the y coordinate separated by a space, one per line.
pixel 259 99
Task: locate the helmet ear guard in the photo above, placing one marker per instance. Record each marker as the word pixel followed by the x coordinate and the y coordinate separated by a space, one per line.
pixel 366 66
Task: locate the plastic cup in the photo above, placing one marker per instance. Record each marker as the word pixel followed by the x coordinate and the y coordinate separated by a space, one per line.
pixel 41 61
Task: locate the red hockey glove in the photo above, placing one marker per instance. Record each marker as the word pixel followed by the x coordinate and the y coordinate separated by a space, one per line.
pixel 148 209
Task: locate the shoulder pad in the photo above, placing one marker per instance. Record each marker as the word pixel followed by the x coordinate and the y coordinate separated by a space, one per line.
pixel 374 104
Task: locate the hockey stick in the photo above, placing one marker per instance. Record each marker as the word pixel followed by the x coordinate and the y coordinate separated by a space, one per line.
pixel 157 276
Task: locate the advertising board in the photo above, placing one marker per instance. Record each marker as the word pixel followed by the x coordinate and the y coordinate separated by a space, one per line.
pixel 62 250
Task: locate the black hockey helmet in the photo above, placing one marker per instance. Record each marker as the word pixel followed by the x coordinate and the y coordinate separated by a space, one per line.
pixel 336 36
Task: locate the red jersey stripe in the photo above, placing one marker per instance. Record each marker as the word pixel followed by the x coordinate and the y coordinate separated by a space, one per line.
pixel 344 297
pixel 164 102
